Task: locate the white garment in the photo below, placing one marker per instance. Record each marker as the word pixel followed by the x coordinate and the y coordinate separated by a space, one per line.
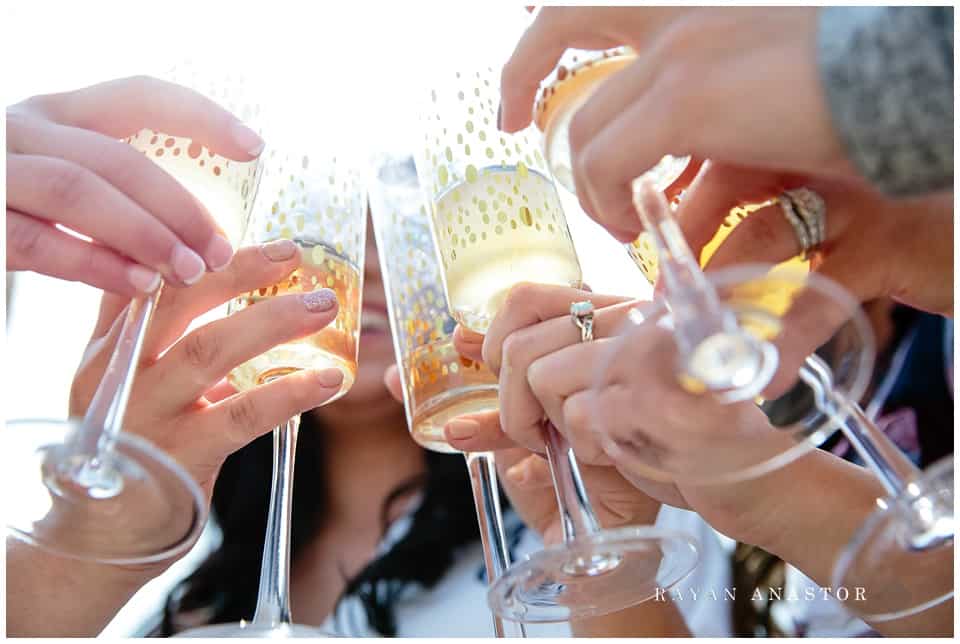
pixel 456 606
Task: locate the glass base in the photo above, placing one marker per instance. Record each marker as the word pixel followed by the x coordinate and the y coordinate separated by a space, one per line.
pixel 135 506
pixel 248 629
pixel 594 575
pixel 901 559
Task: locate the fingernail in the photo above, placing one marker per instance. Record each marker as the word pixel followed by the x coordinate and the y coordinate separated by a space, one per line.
pixel 143 279
pixel 279 250
pixel 219 253
pixel 500 117
pixel 319 301
pixel 330 378
pixel 460 430
pixel 187 265
pixel 247 139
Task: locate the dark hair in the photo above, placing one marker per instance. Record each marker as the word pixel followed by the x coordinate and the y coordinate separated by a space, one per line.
pixel 224 587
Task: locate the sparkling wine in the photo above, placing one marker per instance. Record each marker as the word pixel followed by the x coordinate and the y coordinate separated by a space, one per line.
pixel 333 346
pixel 559 101
pixel 442 385
pixel 498 226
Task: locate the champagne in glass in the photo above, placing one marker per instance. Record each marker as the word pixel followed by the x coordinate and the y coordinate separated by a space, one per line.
pixel 438 384
pixel 315 204
pixel 495 214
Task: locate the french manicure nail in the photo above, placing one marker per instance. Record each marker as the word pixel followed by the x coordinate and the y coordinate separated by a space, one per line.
pixel 187 265
pixel 279 250
pixel 319 301
pixel 461 429
pixel 143 279
pixel 330 378
pixel 247 139
pixel 219 253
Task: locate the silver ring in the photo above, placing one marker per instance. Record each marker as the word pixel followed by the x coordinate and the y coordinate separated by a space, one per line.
pixel 582 315
pixel 807 213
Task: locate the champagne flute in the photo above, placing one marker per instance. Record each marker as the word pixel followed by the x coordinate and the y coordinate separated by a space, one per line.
pixel 319 204
pixel 496 220
pixel 729 328
pixel 93 492
pixel 438 384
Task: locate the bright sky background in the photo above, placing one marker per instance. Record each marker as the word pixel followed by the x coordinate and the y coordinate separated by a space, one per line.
pixel 346 68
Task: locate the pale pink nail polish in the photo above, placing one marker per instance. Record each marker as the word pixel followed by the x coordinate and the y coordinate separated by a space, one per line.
pixel 319 301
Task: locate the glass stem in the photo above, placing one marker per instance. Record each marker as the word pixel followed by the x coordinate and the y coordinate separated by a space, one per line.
pixel 103 421
pixel 576 514
pixel 273 598
pixel 496 556
pixel 879 453
pixel 696 309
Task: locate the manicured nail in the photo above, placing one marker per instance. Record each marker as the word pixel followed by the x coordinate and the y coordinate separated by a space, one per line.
pixel 219 253
pixel 518 472
pixel 187 265
pixel 143 279
pixel 460 430
pixel 330 378
pixel 500 117
pixel 319 301
pixel 279 251
pixel 247 139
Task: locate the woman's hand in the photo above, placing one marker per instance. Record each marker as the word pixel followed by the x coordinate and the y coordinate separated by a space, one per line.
pixel 66 167
pixel 874 246
pixel 181 400
pixel 693 90
pixel 182 403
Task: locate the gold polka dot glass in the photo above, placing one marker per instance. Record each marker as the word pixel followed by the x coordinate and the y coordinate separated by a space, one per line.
pixel 495 212
pixel 317 202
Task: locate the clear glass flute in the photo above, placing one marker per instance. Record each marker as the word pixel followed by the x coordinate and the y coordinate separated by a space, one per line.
pixel 319 203
pixel 735 335
pixel 438 384
pixel 92 491
pixel 496 220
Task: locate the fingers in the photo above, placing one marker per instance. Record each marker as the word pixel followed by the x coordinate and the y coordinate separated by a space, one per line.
pixel 200 359
pixel 468 343
pixel 58 191
pixel 230 424
pixel 478 432
pixel 134 175
pixel 391 379
pixel 252 268
pixel 123 107
pixel 35 245
pixel 716 190
pixel 527 304
pixel 522 408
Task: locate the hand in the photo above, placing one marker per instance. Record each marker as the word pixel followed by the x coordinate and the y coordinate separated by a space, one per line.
pixel 180 400
pixel 522 331
pixel 66 166
pixel 874 247
pixel 691 91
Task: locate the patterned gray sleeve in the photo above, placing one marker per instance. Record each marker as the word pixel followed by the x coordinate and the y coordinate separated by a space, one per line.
pixel 888 76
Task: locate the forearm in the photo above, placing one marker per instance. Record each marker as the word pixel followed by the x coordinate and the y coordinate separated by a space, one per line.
pixel 827 501
pixel 887 73
pixel 656 617
pixel 50 596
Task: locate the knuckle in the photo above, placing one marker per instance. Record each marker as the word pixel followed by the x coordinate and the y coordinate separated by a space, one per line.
pixel 511 353
pixel 518 298
pixel 67 183
pixel 245 420
pixel 24 241
pixel 202 348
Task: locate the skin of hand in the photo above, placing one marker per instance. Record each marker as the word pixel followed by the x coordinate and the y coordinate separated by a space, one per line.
pixel 874 247
pixel 608 421
pixel 183 404
pixel 695 81
pixel 67 167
